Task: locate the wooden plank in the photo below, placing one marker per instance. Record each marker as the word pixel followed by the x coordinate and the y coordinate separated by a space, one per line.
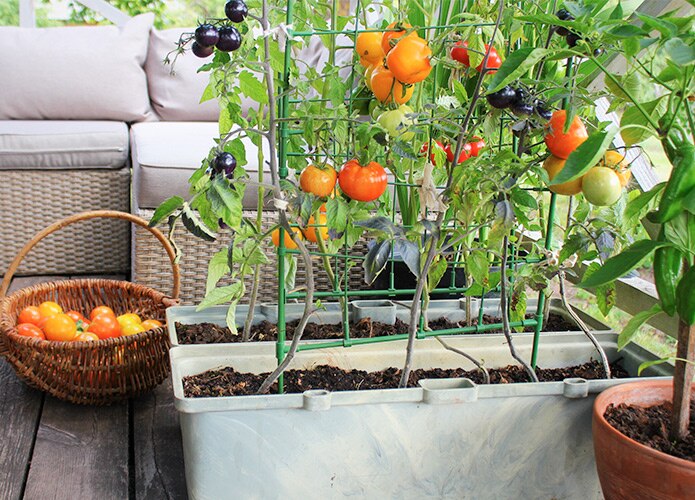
pixel 20 408
pixel 80 452
pixel 159 471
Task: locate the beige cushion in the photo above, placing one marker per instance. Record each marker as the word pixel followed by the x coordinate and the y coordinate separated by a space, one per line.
pixel 62 144
pixel 75 73
pixel 175 89
pixel 165 154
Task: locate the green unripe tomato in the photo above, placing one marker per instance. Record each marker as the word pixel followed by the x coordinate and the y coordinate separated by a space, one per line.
pixel 397 124
pixel 601 186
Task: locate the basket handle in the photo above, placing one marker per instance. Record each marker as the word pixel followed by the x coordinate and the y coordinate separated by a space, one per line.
pixel 94 214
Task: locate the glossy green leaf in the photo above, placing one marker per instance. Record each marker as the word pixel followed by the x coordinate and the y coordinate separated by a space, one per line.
pixel 585 156
pixel 167 207
pixel 621 264
pixel 635 322
pixel 221 295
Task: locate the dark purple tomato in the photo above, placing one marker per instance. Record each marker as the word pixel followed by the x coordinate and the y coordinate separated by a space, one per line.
pixel 598 52
pixel 521 108
pixel 206 35
pixel 230 39
pixel 201 50
pixel 572 39
pixel 502 98
pixel 224 163
pixel 542 111
pixel 236 10
pixel 564 15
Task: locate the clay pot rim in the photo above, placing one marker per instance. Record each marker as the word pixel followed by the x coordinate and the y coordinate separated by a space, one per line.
pixel 604 398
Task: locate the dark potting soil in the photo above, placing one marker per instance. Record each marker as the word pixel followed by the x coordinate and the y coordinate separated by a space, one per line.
pixel 229 382
pixel 649 426
pixel 209 333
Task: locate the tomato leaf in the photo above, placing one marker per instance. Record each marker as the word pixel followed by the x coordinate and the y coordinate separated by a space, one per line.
pixel 217 267
pixel 516 64
pixel 634 127
pixel 624 262
pixel 290 271
pixel 409 252
pixel 585 156
pixel 436 272
pixel 251 87
pixel 376 260
pixel 635 206
pixel 194 225
pixel 635 322
pixel 164 210
pixel 221 295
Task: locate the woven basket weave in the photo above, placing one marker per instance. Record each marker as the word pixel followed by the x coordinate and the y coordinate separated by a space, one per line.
pixel 36 198
pixel 96 372
pixel 149 267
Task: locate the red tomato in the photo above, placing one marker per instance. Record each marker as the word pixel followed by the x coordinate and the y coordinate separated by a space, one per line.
pixel 78 316
pixel 101 310
pixel 362 183
pixel 493 61
pixel 439 144
pixel 30 314
pixel 105 326
pixel 463 156
pixel 459 52
pixel 30 330
pixel 476 145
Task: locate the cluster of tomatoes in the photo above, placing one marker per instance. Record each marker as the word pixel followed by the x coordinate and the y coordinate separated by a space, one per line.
pixel 468 150
pixel 48 321
pixel 459 52
pixel 225 38
pixel 603 184
pixel 395 60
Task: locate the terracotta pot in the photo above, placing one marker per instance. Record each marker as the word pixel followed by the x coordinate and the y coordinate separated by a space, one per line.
pixel 628 469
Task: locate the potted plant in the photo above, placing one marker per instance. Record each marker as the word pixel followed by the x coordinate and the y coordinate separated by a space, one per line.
pixel 640 455
pixel 473 207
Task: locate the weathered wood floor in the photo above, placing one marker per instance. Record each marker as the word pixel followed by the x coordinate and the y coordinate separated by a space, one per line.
pixel 50 449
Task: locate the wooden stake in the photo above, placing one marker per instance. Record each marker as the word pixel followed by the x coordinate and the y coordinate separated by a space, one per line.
pixel 682 381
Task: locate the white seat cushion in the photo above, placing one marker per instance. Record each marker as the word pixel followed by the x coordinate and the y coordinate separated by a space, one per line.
pixel 62 144
pixel 165 154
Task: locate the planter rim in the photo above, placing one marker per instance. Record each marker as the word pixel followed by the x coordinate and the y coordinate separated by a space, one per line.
pixel 658 384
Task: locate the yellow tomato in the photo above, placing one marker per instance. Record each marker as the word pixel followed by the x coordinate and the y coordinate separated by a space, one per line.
pixel 128 318
pixel 48 309
pixel 132 329
pixel 150 324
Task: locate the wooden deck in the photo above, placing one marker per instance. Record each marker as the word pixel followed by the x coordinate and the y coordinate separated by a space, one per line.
pixel 50 449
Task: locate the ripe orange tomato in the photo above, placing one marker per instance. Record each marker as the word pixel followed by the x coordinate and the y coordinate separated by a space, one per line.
pixel 101 310
pixel 553 165
pixel 150 324
pixel 60 327
pixel 616 161
pixel 318 181
pixel 48 309
pixel 362 183
pixel 105 326
pixel 77 316
pixel 30 314
pixel 310 231
pixel 369 72
pixel 85 337
pixel 559 143
pixel 387 89
pixel 30 330
pixel 289 242
pixel 409 60
pixel 391 37
pixel 368 47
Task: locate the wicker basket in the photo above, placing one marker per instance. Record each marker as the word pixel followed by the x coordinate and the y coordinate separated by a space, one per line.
pixel 97 372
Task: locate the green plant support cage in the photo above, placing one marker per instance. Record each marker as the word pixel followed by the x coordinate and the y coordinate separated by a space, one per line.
pixel 341 291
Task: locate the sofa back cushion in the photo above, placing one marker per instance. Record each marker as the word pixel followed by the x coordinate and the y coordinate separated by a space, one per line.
pixel 176 88
pixel 75 73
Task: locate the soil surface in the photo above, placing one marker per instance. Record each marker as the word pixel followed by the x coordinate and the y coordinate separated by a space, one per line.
pixel 650 426
pixel 209 333
pixel 229 382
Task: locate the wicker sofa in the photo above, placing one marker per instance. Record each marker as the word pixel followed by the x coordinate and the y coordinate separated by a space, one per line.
pixel 112 128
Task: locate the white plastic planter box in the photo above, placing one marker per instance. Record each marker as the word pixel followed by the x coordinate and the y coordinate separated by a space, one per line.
pixel 446 439
pixel 381 310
